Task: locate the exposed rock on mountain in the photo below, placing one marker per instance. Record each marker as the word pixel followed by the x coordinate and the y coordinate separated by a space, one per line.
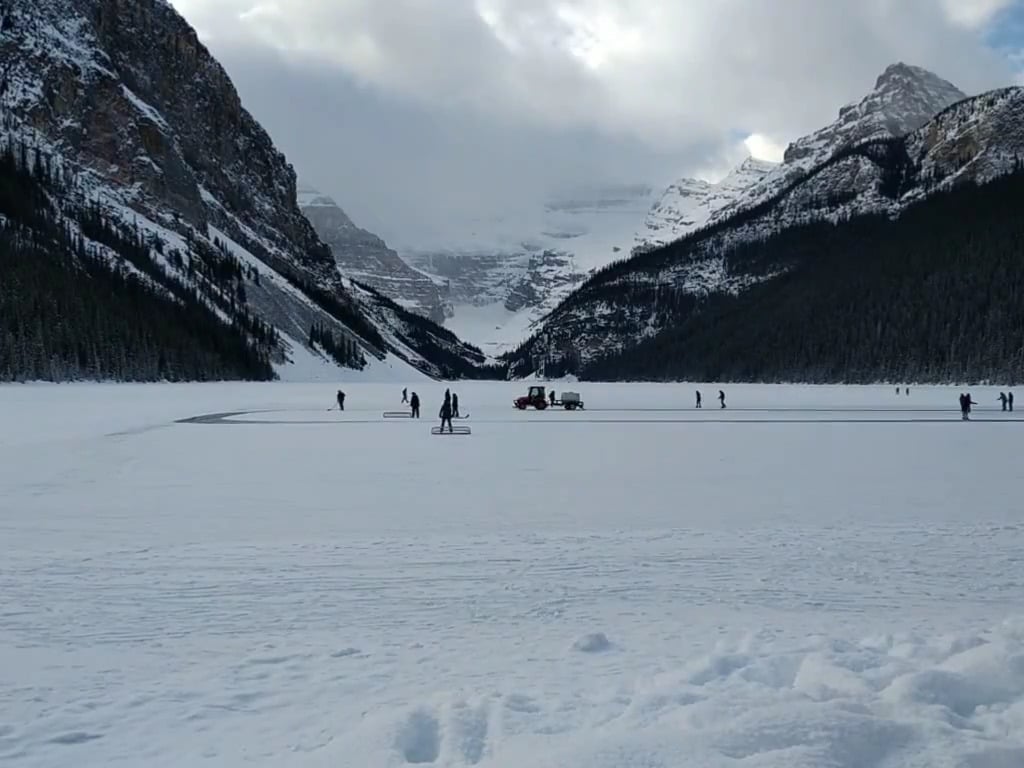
pixel 975 140
pixel 365 257
pixel 904 98
pixel 131 113
pixel 690 204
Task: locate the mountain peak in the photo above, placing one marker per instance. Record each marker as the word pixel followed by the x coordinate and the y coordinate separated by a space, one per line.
pixel 904 98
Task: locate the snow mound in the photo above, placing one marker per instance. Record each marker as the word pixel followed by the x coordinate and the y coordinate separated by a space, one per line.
pixel 897 701
pixel 593 643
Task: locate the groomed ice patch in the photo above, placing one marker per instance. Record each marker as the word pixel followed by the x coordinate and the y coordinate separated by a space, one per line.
pixel 956 701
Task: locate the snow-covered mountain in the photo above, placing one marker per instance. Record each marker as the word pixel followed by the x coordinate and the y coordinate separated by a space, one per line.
pixel 690 204
pixel 139 123
pixel 904 98
pixel 975 140
pixel 505 274
pixel 366 258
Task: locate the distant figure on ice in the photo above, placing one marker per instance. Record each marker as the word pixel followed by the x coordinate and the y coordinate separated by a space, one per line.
pixel 700 400
pixel 721 397
pixel 965 406
pixel 907 390
pixel 414 404
pixel 341 400
pixel 552 398
pixel 1003 400
pixel 455 406
pixel 897 390
pixel 1009 400
pixel 446 412
pixel 405 396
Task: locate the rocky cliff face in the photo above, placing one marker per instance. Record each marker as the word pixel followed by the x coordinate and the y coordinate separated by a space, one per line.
pixel 365 257
pixel 976 140
pixel 904 98
pixel 121 96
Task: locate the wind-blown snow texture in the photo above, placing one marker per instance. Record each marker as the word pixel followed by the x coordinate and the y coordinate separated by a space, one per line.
pixel 814 577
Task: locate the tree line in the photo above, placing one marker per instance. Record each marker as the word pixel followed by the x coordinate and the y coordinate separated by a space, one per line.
pixel 936 295
pixel 83 297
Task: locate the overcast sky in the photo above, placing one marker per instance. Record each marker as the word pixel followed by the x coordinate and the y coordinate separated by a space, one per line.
pixel 414 111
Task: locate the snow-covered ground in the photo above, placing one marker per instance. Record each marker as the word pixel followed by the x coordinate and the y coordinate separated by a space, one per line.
pixel 813 578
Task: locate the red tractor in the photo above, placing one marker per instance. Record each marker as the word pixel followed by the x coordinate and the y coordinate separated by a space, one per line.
pixel 536 398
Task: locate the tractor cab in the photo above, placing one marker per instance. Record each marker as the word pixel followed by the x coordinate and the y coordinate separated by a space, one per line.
pixel 534 398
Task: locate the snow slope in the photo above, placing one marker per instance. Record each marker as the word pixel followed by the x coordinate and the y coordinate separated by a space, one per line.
pixel 525 262
pixel 814 577
pixel 133 114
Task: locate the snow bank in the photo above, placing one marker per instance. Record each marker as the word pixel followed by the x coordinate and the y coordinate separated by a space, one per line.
pixel 826 702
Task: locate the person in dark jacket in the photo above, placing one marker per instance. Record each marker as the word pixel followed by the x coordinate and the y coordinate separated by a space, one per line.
pixel 341 400
pixel 700 400
pixel 1003 400
pixel 1009 399
pixel 405 396
pixel 455 406
pixel 721 397
pixel 446 413
pixel 414 404
pixel 552 396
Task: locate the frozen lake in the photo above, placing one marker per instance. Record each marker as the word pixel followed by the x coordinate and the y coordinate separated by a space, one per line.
pixel 815 577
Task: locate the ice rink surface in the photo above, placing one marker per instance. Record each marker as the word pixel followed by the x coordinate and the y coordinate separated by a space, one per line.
pixel 815 577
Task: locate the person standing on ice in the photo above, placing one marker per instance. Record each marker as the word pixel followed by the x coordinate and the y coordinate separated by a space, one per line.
pixel 700 400
pixel 341 400
pixel 1009 400
pixel 1003 400
pixel 414 404
pixel 446 413
pixel 405 396
pixel 552 398
pixel 721 397
pixel 455 406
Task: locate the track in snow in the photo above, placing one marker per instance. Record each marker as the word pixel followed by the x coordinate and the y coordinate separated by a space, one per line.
pixel 231 417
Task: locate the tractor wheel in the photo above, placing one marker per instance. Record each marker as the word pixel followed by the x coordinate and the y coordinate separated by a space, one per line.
pixel 570 407
pixel 542 404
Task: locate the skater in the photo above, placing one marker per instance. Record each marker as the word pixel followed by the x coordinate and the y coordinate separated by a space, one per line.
pixel 414 404
pixel 552 398
pixel 699 400
pixel 455 406
pixel 1003 400
pixel 446 413
pixel 405 396
pixel 1009 400
pixel 897 390
pixel 721 397
pixel 341 400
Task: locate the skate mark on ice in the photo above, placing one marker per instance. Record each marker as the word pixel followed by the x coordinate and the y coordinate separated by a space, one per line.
pixel 345 653
pixel 75 737
pixel 419 738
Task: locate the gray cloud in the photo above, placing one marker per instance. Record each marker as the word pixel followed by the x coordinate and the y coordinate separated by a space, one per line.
pixel 411 111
